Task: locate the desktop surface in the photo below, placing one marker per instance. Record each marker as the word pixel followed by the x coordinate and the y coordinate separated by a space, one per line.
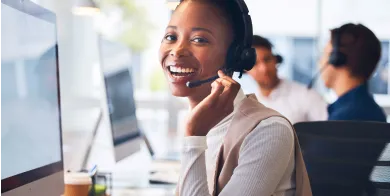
pixel 150 191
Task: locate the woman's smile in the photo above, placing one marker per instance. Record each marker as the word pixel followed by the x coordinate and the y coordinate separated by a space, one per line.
pixel 180 72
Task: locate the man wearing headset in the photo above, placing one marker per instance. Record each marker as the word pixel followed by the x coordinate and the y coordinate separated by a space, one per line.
pixel 291 99
pixel 348 61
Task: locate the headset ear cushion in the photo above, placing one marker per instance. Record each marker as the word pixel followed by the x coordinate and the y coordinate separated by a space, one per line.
pixel 248 59
pixel 279 59
pixel 231 57
pixel 337 59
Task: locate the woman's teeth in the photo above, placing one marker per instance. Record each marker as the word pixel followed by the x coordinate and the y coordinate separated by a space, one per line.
pixel 181 70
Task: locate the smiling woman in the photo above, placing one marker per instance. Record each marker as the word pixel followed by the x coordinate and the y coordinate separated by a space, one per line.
pixel 202 38
pixel 202 48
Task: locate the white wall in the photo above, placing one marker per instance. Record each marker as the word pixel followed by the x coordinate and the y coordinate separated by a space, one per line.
pixel 308 17
pixel 78 60
pixel 284 17
pixel 80 78
pixel 374 14
pixel 158 14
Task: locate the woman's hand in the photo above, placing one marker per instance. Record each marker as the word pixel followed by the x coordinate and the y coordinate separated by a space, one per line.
pixel 214 107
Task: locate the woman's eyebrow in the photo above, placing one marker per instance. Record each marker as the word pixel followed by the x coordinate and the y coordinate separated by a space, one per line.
pixel 171 27
pixel 201 29
pixel 194 29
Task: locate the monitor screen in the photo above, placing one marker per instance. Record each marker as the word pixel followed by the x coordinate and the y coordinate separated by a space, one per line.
pixel 121 106
pixel 30 120
pixel 116 60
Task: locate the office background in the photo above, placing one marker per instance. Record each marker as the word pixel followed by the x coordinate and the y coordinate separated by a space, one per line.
pixel 129 33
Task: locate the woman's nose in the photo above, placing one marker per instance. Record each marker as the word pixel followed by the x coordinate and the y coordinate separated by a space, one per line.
pixel 180 50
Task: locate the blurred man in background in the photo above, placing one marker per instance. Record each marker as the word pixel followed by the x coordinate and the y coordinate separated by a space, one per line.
pixel 348 61
pixel 291 99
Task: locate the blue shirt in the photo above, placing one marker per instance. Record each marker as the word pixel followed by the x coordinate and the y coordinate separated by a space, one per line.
pixel 357 104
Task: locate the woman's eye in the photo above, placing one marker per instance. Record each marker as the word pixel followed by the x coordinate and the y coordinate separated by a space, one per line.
pixel 200 40
pixel 170 38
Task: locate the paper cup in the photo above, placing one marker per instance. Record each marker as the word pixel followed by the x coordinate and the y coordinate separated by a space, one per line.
pixel 77 184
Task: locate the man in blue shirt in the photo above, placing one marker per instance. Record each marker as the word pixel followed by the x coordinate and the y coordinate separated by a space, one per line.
pixel 348 61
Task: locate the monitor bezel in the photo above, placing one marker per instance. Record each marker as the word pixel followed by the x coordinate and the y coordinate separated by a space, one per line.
pixel 128 137
pixel 27 177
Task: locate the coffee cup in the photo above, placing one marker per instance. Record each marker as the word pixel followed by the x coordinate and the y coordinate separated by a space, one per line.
pixel 77 184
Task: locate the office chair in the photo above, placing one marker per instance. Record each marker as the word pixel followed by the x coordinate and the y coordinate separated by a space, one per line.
pixel 380 175
pixel 340 155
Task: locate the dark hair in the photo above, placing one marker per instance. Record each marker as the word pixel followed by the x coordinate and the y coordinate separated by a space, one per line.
pixel 262 42
pixel 230 12
pixel 259 41
pixel 362 48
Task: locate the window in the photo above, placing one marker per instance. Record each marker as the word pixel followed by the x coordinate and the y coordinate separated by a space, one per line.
pixel 379 83
pixel 303 63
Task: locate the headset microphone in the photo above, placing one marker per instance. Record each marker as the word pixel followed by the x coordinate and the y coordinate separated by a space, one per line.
pixel 193 84
pixel 200 82
pixel 314 79
pixel 336 57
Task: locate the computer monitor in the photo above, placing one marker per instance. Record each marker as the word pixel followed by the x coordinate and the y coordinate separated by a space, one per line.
pixel 121 106
pixel 31 154
pixel 120 99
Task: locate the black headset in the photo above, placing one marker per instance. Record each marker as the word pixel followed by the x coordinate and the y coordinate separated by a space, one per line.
pixel 279 59
pixel 268 45
pixel 337 58
pixel 240 56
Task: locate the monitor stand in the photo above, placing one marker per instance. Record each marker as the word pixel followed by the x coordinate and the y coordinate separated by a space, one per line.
pixel 171 156
pixel 91 141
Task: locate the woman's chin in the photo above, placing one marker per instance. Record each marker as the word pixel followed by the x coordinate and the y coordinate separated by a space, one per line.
pixel 180 91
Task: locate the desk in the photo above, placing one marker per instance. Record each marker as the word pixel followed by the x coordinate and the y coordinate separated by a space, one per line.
pixel 150 191
pixel 163 190
pixel 131 175
pixel 145 192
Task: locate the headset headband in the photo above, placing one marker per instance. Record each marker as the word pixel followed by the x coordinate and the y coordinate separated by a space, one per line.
pixel 247 22
pixel 336 40
pixel 241 56
pixel 338 58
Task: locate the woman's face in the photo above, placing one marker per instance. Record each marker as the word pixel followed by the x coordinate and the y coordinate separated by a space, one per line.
pixel 194 47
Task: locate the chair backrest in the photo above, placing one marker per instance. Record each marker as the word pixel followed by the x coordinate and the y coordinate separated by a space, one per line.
pixel 340 155
pixel 380 175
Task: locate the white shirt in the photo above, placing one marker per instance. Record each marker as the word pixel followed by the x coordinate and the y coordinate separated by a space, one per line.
pixel 296 102
pixel 266 163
